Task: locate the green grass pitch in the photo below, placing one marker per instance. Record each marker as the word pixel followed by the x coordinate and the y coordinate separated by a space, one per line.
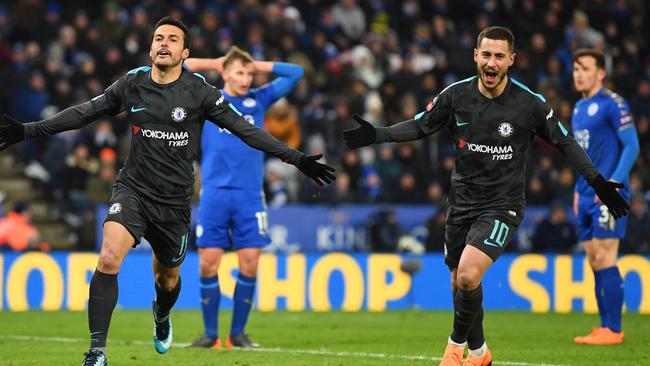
pixel 326 339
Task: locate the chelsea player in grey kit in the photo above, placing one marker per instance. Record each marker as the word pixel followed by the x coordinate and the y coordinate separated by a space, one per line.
pixel 493 120
pixel 167 107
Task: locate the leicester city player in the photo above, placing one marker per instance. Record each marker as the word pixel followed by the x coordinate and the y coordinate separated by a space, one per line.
pixel 167 106
pixel 603 126
pixel 493 120
pixel 231 180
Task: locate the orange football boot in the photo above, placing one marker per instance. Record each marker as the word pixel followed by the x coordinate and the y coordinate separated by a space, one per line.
pixel 217 344
pixel 485 360
pixel 581 339
pixel 453 355
pixel 601 336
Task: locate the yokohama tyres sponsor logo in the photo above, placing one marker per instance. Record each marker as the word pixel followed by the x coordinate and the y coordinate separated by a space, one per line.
pixel 497 152
pixel 489 149
pixel 174 138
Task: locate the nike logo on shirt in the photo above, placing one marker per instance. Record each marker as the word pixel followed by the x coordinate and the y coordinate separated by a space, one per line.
pixel 134 109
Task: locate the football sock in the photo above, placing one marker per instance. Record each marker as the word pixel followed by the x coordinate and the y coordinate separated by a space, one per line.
pixel 466 308
pixel 165 301
pixel 598 279
pixel 210 299
pixel 476 338
pixel 612 297
pixel 461 345
pixel 101 302
pixel 479 352
pixel 243 301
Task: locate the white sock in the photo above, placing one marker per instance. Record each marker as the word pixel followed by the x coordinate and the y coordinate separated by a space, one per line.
pixel 461 345
pixel 478 352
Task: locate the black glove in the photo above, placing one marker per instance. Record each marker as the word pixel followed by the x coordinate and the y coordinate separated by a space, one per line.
pixel 606 192
pixel 315 170
pixel 363 136
pixel 11 131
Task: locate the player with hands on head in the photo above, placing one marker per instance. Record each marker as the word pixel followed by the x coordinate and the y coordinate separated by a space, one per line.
pixel 232 180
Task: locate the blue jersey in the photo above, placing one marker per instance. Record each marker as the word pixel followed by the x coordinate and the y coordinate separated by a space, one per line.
pixel 227 162
pixel 603 126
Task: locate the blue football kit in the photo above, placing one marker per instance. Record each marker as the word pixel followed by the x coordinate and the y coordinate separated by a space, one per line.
pixel 604 127
pixel 232 210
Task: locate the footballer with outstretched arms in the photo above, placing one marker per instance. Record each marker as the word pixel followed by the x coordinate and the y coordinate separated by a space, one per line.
pixel 167 106
pixel 493 120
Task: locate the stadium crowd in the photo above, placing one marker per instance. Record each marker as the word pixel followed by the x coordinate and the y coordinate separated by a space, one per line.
pixel 381 59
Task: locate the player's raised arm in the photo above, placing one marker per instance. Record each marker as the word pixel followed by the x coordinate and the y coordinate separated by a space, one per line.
pixel 72 118
pixel 220 112
pixel 553 131
pixel 288 76
pixel 205 64
pixel 423 124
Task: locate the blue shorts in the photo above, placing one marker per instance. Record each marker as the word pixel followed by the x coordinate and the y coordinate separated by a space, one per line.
pixel 595 221
pixel 232 219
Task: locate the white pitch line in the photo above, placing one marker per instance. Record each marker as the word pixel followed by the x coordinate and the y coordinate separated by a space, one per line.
pixel 321 352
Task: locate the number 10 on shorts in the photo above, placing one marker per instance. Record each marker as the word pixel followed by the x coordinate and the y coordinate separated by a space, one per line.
pixel 499 234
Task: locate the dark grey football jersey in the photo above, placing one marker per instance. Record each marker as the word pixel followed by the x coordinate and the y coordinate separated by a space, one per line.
pixel 491 139
pixel 167 120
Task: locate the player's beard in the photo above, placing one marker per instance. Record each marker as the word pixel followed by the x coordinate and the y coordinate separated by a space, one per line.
pixel 166 64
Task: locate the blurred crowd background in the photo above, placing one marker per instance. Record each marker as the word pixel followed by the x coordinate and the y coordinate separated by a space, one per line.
pixel 382 59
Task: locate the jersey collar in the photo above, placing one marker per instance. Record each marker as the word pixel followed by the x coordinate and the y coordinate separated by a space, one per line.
pixel 501 99
pixel 598 94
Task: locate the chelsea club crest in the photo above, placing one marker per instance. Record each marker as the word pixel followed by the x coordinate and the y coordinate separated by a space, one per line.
pixel 505 129
pixel 115 208
pixel 178 114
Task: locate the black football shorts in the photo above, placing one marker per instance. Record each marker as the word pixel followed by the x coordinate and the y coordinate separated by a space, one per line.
pixel 166 228
pixel 489 230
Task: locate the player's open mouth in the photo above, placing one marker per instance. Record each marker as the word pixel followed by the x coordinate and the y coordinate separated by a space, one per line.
pixel 163 53
pixel 490 76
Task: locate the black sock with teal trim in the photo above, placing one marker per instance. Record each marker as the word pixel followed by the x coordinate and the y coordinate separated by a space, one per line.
pixel 101 303
pixel 467 306
pixel 165 301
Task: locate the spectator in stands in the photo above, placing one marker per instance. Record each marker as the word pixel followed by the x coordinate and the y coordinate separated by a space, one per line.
pixel 342 192
pixel 388 168
pixel 100 185
pixel 282 122
pixel 79 166
pixel 350 17
pixel 555 233
pixel 383 232
pixel 16 231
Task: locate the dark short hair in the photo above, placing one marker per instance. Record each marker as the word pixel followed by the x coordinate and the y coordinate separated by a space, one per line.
pixel 177 23
pixel 499 33
pixel 598 55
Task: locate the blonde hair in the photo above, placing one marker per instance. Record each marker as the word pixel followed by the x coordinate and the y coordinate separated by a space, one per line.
pixel 236 53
